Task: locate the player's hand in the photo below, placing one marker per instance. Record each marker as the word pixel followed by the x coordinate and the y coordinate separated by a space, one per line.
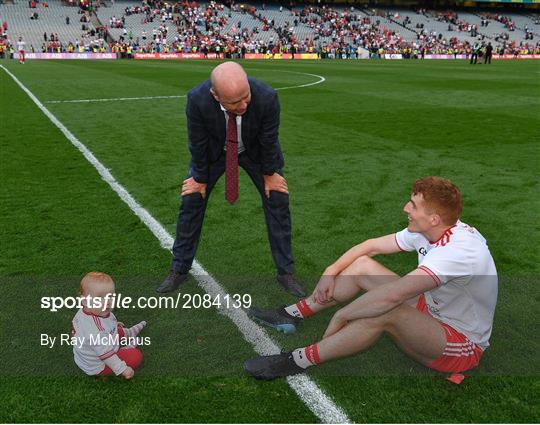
pixel 121 324
pixel 324 291
pixel 275 182
pixel 337 322
pixel 128 373
pixel 191 186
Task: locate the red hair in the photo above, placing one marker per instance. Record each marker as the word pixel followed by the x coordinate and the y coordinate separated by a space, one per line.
pixel 442 196
pixel 94 277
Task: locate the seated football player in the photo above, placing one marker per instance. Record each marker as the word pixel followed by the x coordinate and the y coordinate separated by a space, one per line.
pixel 440 314
pixel 104 346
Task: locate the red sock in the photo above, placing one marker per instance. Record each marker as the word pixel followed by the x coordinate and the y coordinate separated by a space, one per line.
pixel 304 308
pixel 312 353
pixel 307 356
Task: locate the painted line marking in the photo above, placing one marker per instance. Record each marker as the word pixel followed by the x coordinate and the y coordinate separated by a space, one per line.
pixel 306 389
pixel 320 80
pixel 114 99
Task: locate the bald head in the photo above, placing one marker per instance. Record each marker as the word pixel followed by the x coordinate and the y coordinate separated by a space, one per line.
pixel 230 87
pixel 228 77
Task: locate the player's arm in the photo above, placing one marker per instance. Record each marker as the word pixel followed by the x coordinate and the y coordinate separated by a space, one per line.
pixel 325 287
pixel 382 299
pixel 371 247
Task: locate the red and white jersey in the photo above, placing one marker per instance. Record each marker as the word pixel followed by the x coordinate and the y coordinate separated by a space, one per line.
pixel 466 277
pixel 98 338
pixel 20 46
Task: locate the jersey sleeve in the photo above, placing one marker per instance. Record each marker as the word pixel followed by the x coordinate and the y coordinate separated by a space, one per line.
pixel 406 240
pixel 445 264
pixel 101 340
pixel 116 364
pixel 102 348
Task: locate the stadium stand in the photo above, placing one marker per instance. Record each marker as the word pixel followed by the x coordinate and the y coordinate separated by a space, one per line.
pixel 37 24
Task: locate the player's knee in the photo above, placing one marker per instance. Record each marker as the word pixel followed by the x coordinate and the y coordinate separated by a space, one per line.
pixel 359 267
pixel 363 261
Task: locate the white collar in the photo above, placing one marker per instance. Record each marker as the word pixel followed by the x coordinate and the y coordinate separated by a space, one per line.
pixel 227 112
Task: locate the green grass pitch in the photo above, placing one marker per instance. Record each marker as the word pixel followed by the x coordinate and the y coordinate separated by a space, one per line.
pixel 353 146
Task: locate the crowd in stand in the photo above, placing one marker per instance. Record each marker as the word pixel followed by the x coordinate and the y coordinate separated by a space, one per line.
pixel 91 40
pixel 510 25
pixel 454 23
pixel 334 34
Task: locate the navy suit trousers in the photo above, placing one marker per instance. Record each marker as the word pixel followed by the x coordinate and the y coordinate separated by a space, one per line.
pixel 193 207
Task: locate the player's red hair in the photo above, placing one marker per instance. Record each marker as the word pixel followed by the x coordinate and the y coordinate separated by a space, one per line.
pixel 442 196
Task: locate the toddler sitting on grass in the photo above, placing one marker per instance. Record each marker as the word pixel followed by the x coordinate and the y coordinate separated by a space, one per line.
pixel 105 346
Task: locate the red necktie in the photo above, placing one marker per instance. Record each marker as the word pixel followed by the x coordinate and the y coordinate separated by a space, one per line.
pixel 231 165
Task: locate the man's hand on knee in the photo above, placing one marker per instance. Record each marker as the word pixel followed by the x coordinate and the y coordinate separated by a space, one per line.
pixel 275 182
pixel 190 186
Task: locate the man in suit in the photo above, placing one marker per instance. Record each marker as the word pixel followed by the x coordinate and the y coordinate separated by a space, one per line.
pixel 233 120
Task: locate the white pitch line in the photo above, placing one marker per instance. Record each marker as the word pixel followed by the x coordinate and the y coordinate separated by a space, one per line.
pixel 320 80
pixel 113 99
pixel 307 390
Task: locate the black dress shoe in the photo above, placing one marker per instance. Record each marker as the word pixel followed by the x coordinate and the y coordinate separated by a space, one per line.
pixel 291 285
pixel 172 282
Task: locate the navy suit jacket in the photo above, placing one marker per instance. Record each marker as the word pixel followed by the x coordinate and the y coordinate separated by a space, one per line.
pixel 260 128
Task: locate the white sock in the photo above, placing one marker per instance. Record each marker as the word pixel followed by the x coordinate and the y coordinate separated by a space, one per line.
pixel 294 311
pixel 134 330
pixel 300 358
